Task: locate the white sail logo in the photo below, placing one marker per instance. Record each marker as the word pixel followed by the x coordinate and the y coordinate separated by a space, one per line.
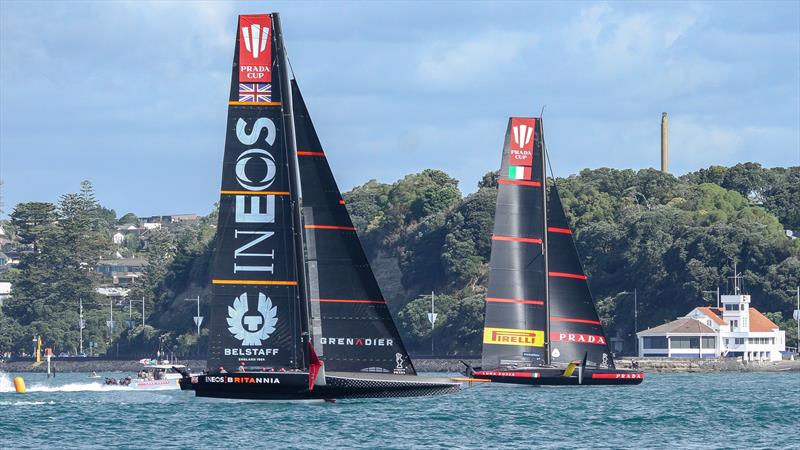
pixel 269 169
pixel 522 135
pixel 255 39
pixel 251 329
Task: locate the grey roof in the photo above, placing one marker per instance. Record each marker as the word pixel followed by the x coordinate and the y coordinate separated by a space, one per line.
pixel 123 262
pixel 683 325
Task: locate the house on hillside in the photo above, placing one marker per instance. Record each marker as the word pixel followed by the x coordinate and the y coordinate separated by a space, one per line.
pixel 124 230
pixel 115 294
pixel 12 258
pixel 735 329
pixel 5 291
pixel 4 239
pixel 168 220
pixel 122 271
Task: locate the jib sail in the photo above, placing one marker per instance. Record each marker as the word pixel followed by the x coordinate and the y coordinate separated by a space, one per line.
pixel 256 310
pixel 575 328
pixel 516 315
pixel 352 327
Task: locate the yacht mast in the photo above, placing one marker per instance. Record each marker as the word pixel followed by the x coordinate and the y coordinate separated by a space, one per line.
pixel 294 180
pixel 547 356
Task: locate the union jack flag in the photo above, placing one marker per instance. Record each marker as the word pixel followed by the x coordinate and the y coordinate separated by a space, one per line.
pixel 255 92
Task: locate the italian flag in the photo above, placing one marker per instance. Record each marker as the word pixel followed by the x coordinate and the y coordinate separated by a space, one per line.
pixel 519 173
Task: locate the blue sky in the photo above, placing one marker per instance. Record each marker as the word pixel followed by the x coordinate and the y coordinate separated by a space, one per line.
pixel 132 96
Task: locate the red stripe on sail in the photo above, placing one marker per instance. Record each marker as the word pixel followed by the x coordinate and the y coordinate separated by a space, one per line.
pixel 341 202
pixel 565 319
pixel 305 153
pixel 519 182
pixel 568 275
pixel 513 300
pixel 329 227
pixel 559 230
pixel 332 300
pixel 517 239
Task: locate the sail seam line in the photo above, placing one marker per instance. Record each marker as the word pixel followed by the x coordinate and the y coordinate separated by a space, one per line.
pixel 513 300
pixel 330 227
pixel 522 183
pixel 568 275
pixel 233 103
pixel 267 282
pixel 254 193
pixel 331 300
pixel 517 239
pixel 566 319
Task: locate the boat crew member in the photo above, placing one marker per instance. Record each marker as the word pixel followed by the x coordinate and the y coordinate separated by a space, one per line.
pixel 241 367
pixel 222 370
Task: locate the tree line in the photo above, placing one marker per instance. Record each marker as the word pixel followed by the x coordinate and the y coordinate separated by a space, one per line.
pixel 669 238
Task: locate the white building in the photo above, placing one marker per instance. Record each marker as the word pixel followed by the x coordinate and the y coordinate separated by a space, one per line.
pixel 734 330
pixel 5 291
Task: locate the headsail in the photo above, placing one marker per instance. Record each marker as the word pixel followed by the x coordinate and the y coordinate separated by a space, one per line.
pixel 255 310
pixel 575 329
pixel 352 326
pixel 516 316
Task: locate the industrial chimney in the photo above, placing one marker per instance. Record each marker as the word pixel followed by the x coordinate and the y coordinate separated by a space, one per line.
pixel 664 143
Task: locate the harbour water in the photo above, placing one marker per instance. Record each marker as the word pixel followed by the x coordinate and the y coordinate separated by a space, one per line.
pixel 731 410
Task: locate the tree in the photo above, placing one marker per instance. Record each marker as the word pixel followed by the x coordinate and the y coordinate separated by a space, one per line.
pixel 128 219
pixel 68 241
pixel 33 221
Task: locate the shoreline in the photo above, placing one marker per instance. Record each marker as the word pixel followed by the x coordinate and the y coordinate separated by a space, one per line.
pixel 647 365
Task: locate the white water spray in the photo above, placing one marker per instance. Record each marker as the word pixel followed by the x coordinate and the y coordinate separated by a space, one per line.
pixel 6 385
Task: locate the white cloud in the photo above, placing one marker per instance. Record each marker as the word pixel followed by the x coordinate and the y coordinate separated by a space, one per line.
pixel 460 62
pixel 695 143
pixel 619 42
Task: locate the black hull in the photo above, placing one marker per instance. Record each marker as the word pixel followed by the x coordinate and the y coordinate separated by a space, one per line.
pixel 549 376
pixel 294 386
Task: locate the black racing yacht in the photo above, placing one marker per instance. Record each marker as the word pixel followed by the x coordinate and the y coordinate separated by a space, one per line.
pixel 541 326
pixel 296 312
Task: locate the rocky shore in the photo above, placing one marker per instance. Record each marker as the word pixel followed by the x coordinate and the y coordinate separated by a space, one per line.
pixel 648 365
pixel 91 365
pixel 692 365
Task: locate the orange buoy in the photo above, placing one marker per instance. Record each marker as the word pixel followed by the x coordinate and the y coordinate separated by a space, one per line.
pixel 19 385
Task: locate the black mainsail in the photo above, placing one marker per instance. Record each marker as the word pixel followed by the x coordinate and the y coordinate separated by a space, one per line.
pixel 541 323
pixel 516 314
pixel 256 310
pixel 296 312
pixel 353 328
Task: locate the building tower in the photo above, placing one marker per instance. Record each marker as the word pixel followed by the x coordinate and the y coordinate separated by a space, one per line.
pixel 664 143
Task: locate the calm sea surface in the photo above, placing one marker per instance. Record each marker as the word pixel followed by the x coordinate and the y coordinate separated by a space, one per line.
pixel 742 410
